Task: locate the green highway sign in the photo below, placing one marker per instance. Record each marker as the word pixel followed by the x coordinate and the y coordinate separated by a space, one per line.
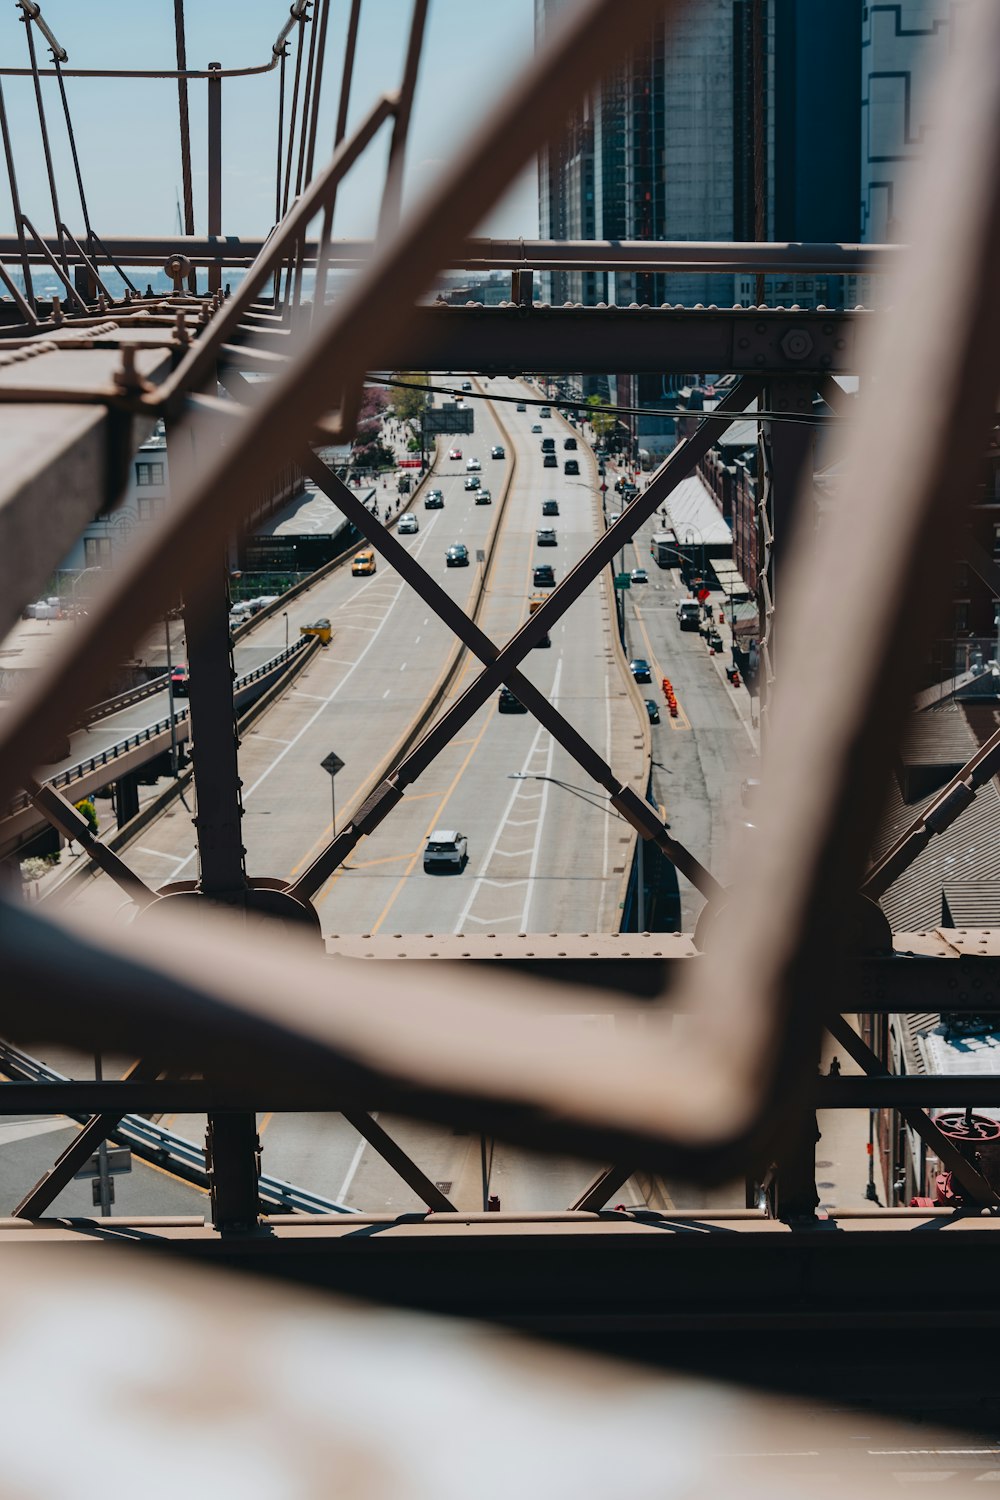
pixel 623 581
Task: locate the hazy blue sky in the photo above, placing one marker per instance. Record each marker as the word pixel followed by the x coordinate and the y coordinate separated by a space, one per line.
pixel 127 131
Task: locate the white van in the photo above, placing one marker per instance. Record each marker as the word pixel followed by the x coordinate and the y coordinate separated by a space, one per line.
pixel 689 614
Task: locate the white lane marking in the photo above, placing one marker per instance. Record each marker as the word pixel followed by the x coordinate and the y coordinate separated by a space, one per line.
pixel 607 820
pixel 402 666
pixel 273 738
pixel 481 879
pixel 505 885
pixel 355 1164
pixel 513 853
pixel 174 859
pixel 24 1130
pixel 323 703
pixel 521 822
pixel 387 692
pixel 492 921
pixel 417 641
pixel 554 700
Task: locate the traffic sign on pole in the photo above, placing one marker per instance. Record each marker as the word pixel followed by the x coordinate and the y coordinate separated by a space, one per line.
pixel 623 581
pixel 331 764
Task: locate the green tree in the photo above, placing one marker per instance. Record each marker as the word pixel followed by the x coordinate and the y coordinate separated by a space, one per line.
pixel 408 401
pixel 601 421
pixel 89 812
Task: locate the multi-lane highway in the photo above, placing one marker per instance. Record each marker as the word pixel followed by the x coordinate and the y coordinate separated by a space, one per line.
pixel 545 852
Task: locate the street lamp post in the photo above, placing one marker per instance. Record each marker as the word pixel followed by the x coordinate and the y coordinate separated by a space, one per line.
pixel 285 617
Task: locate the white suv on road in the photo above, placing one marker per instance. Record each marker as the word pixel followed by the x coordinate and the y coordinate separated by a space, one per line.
pixel 446 849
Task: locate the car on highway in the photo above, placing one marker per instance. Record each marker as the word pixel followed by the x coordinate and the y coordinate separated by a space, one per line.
pixel 544 576
pixel 550 461
pixel 571 466
pixel 545 411
pixel 550 507
pixel 179 678
pixel 569 443
pixel 509 703
pixel 498 451
pixel 466 385
pixel 548 445
pixel 473 465
pixel 446 849
pixel 639 667
pixel 457 555
pixel 652 711
pixel 471 482
pixel 613 516
pixel 454 453
pixel 408 524
pixel 434 500
pixel 536 427
pixel 546 537
pixel 484 497
pixel 639 575
pixel 520 406
pixel 363 563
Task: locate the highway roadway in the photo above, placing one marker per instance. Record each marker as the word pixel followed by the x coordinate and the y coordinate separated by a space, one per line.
pixel 545 853
pixel 701 758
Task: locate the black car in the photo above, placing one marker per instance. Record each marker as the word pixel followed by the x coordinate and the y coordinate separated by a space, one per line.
pixel 569 443
pixel 550 507
pixel 550 461
pixel 544 576
pixel 466 385
pixel 179 678
pixel 571 466
pixel 652 711
pixel 639 668
pixel 434 500
pixel 457 556
pixel 509 703
pixel 498 451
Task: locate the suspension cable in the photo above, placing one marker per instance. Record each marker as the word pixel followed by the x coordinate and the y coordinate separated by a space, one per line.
pixel 184 120
pixel 281 132
pixel 293 115
pixel 320 63
pixel 306 102
pixel 15 199
pixel 57 216
pixel 72 147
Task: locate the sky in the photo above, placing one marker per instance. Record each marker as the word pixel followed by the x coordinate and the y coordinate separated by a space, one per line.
pixel 127 131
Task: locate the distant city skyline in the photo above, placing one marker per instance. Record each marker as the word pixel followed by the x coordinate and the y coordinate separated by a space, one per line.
pixel 127 131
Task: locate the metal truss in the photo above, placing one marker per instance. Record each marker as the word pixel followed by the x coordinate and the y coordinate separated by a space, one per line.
pixel 731 1086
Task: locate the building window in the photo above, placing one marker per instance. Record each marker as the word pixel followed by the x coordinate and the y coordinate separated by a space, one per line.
pixel 149 473
pixel 149 506
pixel 96 551
pixel 962 617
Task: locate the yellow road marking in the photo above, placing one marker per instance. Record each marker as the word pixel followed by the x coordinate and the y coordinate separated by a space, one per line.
pixel 682 721
pixel 435 821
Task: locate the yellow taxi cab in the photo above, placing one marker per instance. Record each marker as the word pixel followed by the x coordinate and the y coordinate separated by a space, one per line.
pixel 364 563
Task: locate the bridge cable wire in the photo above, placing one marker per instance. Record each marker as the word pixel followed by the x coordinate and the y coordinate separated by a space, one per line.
pixel 184 122
pixel 53 192
pixel 72 146
pixel 15 199
pixel 301 178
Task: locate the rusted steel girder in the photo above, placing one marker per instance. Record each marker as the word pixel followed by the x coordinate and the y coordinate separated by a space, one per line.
pixel 500 665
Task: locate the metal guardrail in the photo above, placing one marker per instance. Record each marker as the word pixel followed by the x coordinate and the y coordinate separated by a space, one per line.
pixel 152 731
pixel 114 705
pixel 165 1148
